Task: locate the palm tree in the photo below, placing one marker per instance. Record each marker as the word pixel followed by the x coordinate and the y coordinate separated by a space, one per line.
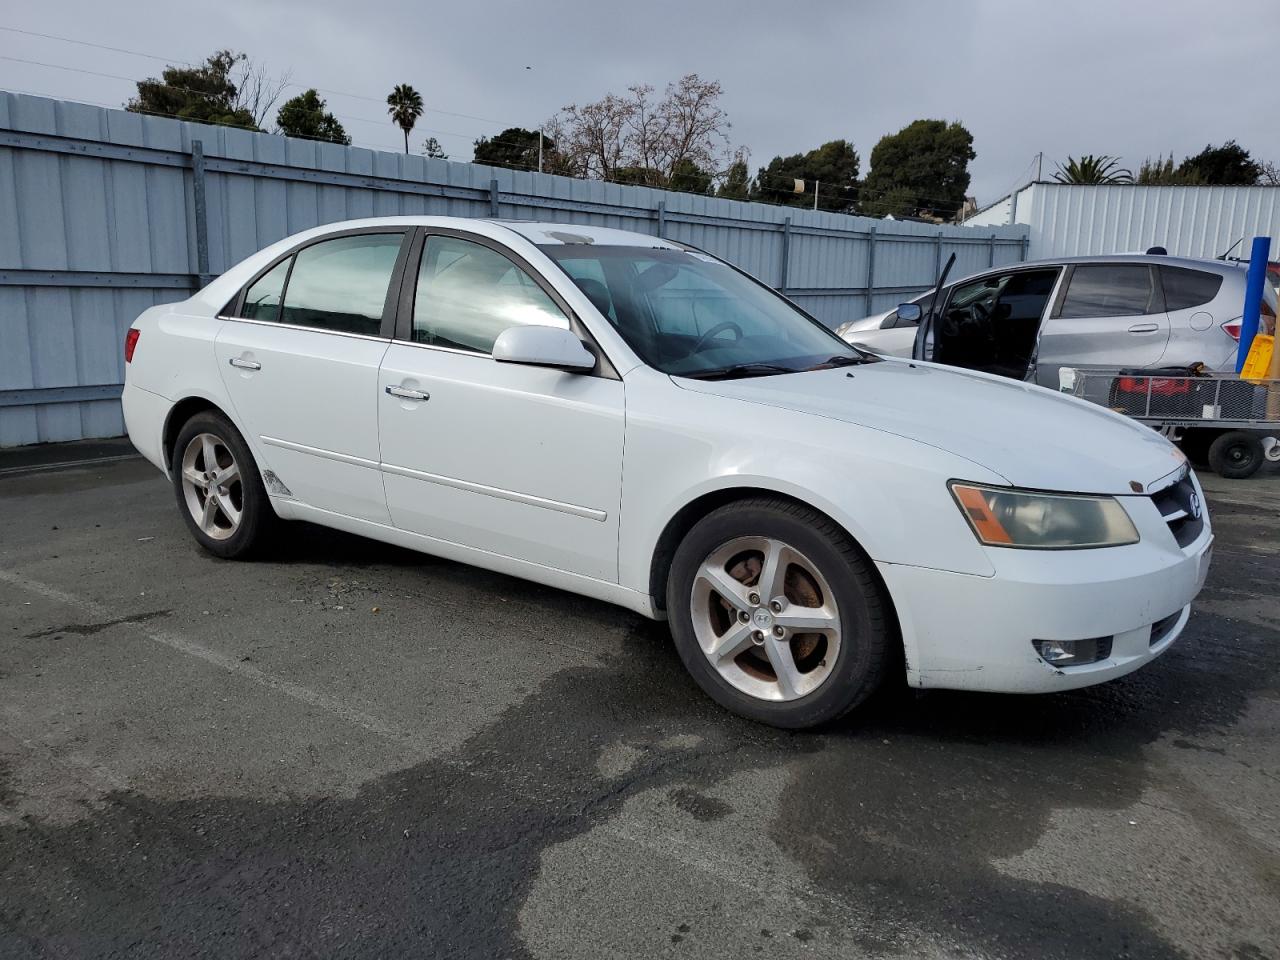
pixel 405 106
pixel 1091 169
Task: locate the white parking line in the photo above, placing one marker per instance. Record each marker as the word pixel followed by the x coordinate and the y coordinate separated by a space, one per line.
pixel 174 641
pixel 63 464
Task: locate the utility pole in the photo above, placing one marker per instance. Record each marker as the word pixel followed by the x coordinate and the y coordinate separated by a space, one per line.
pixel 539 149
pixel 816 185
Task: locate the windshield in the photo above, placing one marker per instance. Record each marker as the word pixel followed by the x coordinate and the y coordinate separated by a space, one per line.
pixel 690 315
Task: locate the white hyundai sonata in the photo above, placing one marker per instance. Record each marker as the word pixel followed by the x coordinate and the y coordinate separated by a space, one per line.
pixel 631 419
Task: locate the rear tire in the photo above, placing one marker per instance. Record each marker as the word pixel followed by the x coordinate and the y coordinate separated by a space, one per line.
pixel 1236 454
pixel 219 490
pixel 795 641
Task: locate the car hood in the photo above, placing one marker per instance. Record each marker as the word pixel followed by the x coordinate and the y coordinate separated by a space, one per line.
pixel 867 323
pixel 1030 436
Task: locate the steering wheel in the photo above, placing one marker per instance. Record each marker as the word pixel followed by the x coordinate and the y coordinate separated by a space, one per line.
pixel 718 328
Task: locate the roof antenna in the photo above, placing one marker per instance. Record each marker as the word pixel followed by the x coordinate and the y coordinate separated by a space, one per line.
pixel 1230 248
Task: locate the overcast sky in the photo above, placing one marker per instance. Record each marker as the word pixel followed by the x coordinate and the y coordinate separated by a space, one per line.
pixel 1062 76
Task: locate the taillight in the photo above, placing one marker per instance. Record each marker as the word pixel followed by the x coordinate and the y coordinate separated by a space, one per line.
pixel 131 344
pixel 1232 330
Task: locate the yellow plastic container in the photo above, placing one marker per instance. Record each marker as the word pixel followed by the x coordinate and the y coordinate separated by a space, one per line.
pixel 1258 364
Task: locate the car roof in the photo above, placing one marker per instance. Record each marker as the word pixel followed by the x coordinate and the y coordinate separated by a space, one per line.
pixel 1197 263
pixel 565 234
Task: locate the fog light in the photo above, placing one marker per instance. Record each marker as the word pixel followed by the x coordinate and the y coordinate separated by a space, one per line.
pixel 1071 653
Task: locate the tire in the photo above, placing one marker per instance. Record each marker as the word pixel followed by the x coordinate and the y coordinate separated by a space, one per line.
pixel 241 518
pixel 1195 444
pixel 707 604
pixel 1236 454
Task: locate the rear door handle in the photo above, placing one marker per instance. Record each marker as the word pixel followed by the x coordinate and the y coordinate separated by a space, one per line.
pixel 243 364
pixel 405 393
pixel 1144 328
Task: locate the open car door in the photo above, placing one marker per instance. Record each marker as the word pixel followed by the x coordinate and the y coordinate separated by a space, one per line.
pixel 923 347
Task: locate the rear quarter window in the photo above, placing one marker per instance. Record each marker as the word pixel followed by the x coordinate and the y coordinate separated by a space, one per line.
pixel 1185 288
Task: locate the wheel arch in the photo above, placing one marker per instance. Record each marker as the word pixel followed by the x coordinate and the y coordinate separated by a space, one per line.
pixel 182 411
pixel 684 519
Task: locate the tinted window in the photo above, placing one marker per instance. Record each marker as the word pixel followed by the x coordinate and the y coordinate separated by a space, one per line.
pixel 1109 290
pixel 467 294
pixel 1185 288
pixel 341 284
pixel 262 300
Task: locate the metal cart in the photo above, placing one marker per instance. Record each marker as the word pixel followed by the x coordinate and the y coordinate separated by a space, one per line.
pixel 1231 424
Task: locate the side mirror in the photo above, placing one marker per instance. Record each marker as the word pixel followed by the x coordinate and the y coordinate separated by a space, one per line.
pixel 543 347
pixel 910 312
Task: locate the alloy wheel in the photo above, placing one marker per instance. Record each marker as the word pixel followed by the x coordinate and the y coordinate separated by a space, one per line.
pixel 766 618
pixel 212 486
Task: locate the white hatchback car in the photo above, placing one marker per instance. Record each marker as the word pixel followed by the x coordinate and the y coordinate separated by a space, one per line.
pixel 631 419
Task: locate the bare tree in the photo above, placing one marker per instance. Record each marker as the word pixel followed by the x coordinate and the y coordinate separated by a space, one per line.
pixel 641 139
pixel 256 90
pixel 1270 175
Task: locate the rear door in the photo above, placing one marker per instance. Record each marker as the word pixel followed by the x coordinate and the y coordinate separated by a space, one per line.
pixel 1108 315
pixel 520 461
pixel 300 362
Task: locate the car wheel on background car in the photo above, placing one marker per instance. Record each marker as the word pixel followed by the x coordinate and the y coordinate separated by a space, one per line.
pixel 219 490
pixel 777 614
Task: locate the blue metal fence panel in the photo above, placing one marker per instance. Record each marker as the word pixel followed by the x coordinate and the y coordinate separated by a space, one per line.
pixel 99 220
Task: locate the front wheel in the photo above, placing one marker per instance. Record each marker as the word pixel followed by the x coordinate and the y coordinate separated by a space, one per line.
pixel 219 490
pixel 777 614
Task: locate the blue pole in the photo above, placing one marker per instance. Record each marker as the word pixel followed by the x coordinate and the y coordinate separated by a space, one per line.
pixel 1253 297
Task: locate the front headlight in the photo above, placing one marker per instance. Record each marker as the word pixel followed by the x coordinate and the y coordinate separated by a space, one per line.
pixel 1004 517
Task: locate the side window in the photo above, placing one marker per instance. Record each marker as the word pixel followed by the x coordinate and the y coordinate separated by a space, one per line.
pixel 467 294
pixel 1185 288
pixel 341 284
pixel 1109 290
pixel 262 300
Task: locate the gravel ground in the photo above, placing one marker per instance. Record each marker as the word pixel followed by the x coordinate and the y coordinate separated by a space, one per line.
pixel 350 750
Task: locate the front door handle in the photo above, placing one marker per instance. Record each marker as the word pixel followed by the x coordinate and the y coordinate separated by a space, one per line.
pixel 243 364
pixel 1144 328
pixel 404 393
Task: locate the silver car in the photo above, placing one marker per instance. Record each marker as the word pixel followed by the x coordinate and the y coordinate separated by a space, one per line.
pixel 1027 320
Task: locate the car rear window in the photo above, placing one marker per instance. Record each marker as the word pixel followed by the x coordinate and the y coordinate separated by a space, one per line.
pixel 1185 288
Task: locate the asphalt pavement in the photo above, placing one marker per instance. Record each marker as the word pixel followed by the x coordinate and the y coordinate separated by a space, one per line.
pixel 351 750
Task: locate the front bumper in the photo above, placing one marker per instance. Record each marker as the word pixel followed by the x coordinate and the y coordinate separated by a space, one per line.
pixel 968 632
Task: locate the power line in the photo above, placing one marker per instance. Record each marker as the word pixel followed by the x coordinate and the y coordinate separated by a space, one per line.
pixel 284 81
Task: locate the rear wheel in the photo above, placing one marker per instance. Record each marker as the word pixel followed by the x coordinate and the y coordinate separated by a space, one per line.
pixel 1236 454
pixel 777 614
pixel 219 490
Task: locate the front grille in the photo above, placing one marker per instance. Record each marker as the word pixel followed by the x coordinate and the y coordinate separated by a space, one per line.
pixel 1180 506
pixel 1160 629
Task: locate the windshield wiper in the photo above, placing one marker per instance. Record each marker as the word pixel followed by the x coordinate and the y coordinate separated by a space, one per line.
pixel 843 361
pixel 740 370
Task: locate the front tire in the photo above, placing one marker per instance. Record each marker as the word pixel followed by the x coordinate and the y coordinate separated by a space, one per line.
pixel 777 614
pixel 218 487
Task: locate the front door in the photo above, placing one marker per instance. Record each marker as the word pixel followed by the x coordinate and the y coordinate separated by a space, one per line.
pixel 300 363
pixel 520 461
pixel 990 323
pixel 1112 315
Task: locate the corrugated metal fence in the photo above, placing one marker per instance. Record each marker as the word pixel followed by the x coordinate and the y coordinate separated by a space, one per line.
pixel 1072 220
pixel 104 213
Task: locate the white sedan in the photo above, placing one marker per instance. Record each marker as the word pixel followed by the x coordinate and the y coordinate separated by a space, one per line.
pixel 631 419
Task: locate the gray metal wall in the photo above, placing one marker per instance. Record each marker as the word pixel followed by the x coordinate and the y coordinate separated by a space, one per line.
pixel 104 213
pixel 1071 220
